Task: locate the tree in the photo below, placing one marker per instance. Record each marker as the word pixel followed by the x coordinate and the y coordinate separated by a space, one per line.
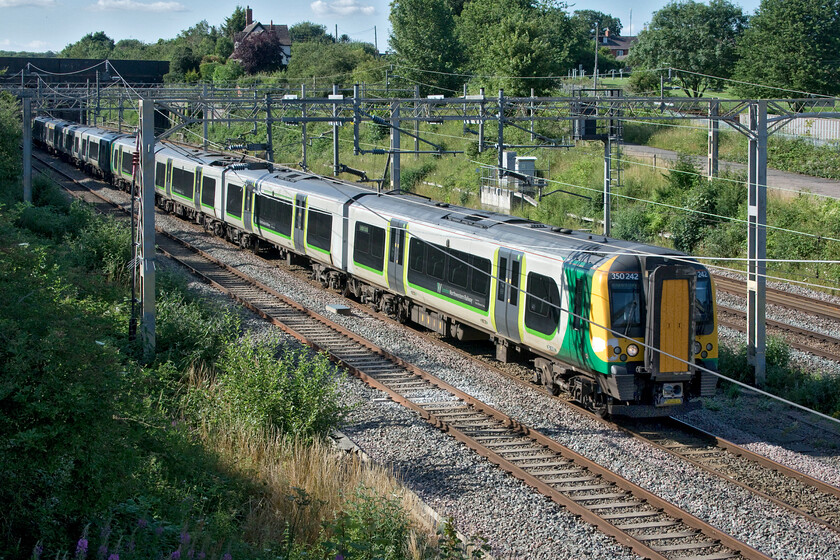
pixel 224 46
pixel 695 39
pixel 235 23
pixel 130 49
pixel 228 73
pixel 526 43
pixel 260 52
pixel 588 19
pixel 339 61
pixel 426 49
pixel 92 45
pixel 308 32
pixel 791 44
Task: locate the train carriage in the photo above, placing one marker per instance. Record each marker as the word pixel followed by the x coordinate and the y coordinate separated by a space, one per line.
pixel 626 328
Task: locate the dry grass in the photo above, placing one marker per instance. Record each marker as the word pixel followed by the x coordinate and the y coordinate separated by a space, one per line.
pixel 303 485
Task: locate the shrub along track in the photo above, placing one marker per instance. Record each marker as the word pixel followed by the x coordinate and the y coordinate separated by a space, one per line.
pixel 636 518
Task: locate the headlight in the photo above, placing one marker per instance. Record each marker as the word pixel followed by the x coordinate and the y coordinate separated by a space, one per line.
pixel 709 347
pixel 632 350
pixel 697 347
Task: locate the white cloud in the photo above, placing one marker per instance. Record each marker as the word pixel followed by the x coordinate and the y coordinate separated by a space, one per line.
pixel 340 8
pixel 21 3
pixel 134 6
pixel 32 46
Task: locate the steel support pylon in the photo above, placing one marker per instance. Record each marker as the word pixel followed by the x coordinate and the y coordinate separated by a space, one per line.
pixel 757 241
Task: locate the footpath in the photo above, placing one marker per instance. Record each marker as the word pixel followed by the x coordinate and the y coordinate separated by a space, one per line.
pixel 782 182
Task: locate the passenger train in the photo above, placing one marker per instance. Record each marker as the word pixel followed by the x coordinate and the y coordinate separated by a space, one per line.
pixel 621 326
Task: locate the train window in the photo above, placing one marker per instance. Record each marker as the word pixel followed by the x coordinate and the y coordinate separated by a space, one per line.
pixel 319 229
pixel 514 283
pixel 416 256
pixel 369 246
pixel 703 304
pixel 208 192
pixel 274 215
pixel 459 268
pixel 579 321
pixel 542 304
pixel 84 147
pixel 455 274
pixel 626 307
pixel 480 276
pixel 76 145
pixel 500 294
pixel 435 262
pixel 93 150
pixel 183 182
pixel 160 175
pixel 233 204
pixel 126 162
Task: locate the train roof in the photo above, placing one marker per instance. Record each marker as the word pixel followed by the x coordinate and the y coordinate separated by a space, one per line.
pixel 316 185
pixel 511 231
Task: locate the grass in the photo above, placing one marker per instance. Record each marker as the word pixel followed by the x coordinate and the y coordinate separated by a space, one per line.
pixel 105 455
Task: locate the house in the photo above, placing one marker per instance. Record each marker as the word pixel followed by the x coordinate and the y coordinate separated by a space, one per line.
pixel 619 46
pixel 254 27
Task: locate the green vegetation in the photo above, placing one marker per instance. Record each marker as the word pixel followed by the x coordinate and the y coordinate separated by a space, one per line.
pixel 791 45
pixel 813 390
pixel 794 155
pixel 213 449
pixel 695 37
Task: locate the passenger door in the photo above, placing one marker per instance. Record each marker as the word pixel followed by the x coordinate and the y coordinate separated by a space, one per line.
pixel 247 210
pixel 509 272
pixel 300 223
pixel 396 256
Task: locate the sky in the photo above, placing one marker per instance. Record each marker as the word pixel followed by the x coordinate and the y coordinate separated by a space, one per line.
pixel 42 25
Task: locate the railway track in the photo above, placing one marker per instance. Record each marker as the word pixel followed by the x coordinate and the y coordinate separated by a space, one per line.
pixel 796 302
pixel 650 526
pixel 788 488
pixel 802 339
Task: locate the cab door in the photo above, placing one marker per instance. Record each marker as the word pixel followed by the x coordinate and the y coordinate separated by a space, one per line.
pixel 509 272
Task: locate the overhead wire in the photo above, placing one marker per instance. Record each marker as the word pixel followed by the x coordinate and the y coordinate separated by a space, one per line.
pixel 697 367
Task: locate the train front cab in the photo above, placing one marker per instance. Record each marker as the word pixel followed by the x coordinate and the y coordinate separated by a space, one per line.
pixel 662 324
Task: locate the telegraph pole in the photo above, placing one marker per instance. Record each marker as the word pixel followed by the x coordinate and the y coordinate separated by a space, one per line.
pixel 501 131
pixel 335 95
pixel 395 145
pixel 27 147
pixel 146 245
pixel 714 134
pixel 303 125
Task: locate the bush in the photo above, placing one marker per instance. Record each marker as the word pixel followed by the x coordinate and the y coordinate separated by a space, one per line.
pixel 632 224
pixel 410 177
pixel 191 333
pixel 644 82
pixel 371 527
pixel 295 393
pixel 102 243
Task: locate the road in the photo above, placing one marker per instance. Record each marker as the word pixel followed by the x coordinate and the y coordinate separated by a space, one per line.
pixel 783 182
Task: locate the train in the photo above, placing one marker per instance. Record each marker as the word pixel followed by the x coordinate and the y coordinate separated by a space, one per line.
pixel 627 329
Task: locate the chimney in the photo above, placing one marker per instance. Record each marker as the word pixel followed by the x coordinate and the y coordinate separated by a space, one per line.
pixel 606 32
pixel 249 16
